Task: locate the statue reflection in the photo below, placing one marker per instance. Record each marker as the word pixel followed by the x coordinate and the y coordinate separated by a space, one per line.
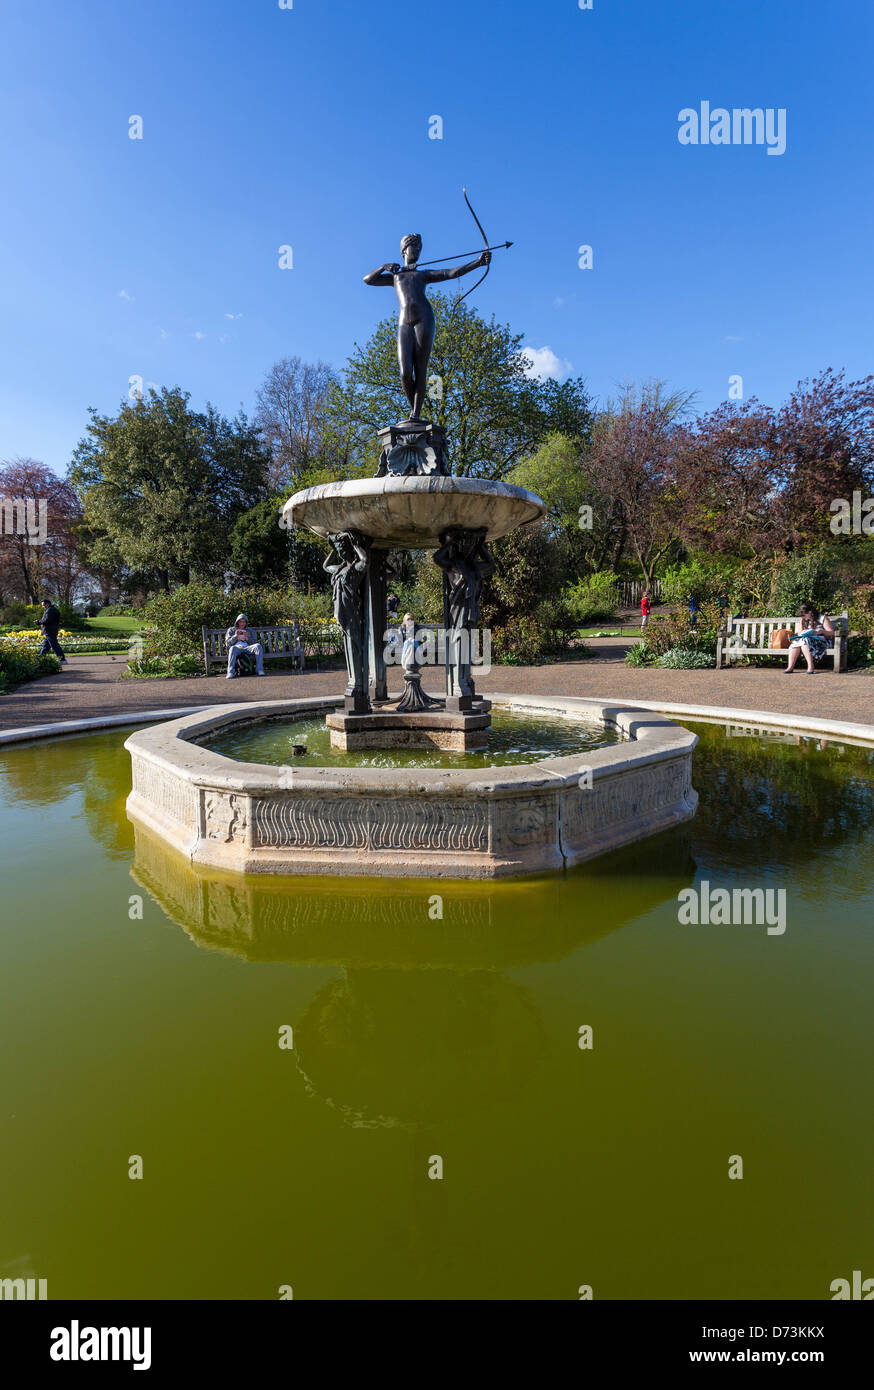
pixel 371 1043
pixel 424 1027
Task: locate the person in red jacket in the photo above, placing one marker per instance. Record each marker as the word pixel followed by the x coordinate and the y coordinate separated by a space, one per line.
pixel 644 608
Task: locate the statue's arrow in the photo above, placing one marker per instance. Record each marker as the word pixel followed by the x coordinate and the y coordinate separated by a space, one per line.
pixel 461 254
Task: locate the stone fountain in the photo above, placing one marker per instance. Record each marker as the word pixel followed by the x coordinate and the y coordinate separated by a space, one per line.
pixel 481 822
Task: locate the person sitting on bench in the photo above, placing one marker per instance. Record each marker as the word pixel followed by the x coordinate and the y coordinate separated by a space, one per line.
pixel 813 640
pixel 239 639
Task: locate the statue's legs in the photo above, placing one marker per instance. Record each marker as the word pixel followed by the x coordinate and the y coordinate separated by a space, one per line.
pixel 407 363
pixel 424 342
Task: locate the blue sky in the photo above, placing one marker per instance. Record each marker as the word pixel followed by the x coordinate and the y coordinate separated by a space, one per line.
pixel 309 127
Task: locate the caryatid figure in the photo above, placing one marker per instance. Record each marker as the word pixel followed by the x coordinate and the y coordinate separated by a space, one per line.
pixel 416 318
pixel 347 566
pixel 465 561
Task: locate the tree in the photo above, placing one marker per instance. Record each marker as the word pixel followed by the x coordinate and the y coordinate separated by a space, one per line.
pixel 495 413
pixel 259 547
pixel 633 463
pixel 36 562
pixel 560 473
pixel 161 485
pixel 291 415
pixel 823 450
pixel 728 480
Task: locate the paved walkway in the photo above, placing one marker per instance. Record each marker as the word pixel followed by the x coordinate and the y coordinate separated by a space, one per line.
pixel 92 685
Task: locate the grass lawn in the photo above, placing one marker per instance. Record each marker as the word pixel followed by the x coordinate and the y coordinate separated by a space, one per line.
pixel 112 627
pixel 610 630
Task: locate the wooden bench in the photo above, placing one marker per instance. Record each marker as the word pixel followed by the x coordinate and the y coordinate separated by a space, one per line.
pixel 751 636
pixel 277 643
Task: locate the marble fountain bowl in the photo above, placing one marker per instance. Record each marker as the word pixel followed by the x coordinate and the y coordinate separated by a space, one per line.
pixel 488 822
pixel 411 512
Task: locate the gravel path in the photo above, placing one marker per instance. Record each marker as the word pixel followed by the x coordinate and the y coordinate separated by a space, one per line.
pixel 92 685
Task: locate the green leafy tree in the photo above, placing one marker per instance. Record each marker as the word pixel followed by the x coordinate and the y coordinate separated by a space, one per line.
pixel 161 485
pixel 587 528
pixel 261 549
pixel 482 394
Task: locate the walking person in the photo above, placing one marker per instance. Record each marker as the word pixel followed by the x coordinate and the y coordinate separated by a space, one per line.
pixel 239 639
pixel 644 608
pixel 50 622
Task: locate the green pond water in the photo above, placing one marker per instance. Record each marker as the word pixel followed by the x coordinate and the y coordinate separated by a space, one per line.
pixel 513 738
pixel 458 1037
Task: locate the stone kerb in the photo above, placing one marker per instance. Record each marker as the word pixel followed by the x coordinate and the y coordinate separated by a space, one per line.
pixel 409 822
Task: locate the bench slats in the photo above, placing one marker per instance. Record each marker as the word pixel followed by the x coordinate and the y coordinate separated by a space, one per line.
pixel 751 637
pixel 276 642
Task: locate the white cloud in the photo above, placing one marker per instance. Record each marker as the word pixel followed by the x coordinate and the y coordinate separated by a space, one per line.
pixel 233 316
pixel 733 338
pixel 164 333
pixel 224 337
pixel 123 294
pixel 543 364
pixel 199 334
pixel 558 302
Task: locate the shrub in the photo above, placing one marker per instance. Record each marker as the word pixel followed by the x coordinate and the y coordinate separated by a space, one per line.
pixel 19 662
pixel 860 651
pixel 174 622
pixel 685 659
pixel 639 655
pixel 120 610
pixel 517 645
pixel 557 624
pixel 861 610
pixel 14 615
pixel 708 577
pixel 806 577
pixel 165 667
pixel 671 631
pixel 528 571
pixel 593 599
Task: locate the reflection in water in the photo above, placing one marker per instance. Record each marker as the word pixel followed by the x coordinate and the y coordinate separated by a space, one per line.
pixel 387 922
pixel 49 771
pixel 776 802
pixel 372 1043
pixel 417 1035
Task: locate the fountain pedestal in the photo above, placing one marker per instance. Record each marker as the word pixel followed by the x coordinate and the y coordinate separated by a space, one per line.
pixel 456 732
pixel 412 505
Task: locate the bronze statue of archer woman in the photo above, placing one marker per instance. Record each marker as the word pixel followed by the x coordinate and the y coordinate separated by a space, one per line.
pixel 416 318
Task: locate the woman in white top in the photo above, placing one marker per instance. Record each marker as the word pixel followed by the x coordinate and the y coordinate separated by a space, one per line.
pixel 813 639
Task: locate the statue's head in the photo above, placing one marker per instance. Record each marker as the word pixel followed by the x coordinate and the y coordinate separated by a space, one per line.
pixel 411 247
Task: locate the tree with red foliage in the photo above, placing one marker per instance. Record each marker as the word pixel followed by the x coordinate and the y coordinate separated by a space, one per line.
pixel 633 466
pixel 32 567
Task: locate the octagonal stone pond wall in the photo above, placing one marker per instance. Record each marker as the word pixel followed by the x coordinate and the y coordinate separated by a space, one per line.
pixel 487 822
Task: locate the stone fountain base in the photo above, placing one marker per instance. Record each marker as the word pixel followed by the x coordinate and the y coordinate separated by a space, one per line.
pixel 489 822
pixel 460 732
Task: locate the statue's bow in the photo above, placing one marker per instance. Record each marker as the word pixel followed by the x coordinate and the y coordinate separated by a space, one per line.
pixel 485 243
